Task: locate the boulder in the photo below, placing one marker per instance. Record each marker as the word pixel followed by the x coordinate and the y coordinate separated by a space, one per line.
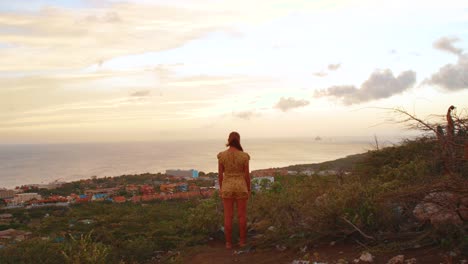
pixel 439 208
pixel 463 211
pixel 366 257
pixel 400 259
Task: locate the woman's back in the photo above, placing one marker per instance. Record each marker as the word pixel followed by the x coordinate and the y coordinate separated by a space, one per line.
pixel 233 161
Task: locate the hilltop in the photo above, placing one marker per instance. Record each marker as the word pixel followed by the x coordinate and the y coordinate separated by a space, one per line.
pixel 380 206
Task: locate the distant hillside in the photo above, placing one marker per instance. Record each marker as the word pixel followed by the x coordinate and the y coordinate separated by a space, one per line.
pixel 345 163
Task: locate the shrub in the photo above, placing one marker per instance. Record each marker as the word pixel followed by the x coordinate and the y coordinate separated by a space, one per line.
pixel 85 250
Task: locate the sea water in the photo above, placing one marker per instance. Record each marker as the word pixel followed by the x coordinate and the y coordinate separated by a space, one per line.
pixel 44 163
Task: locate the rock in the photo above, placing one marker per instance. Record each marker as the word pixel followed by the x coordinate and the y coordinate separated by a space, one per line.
pixel 366 257
pixel 424 211
pixel 322 200
pixel 439 208
pixel 444 218
pixel 463 211
pixel 332 243
pixel 397 260
pixel 410 261
pixel 356 260
pixel 464 201
pixel 239 252
pixel 271 228
pixel 280 248
pixel 261 225
pixel 297 261
pixel 342 261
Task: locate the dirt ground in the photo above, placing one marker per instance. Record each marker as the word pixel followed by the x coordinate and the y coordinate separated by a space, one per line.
pixel 214 252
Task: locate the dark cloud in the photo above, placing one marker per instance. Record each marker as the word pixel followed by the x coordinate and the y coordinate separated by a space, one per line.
pixel 452 76
pixel 286 104
pixel 381 84
pixel 446 44
pixel 334 67
pixel 142 93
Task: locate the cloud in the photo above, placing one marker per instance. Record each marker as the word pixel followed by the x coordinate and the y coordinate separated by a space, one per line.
pixel 381 84
pixel 286 104
pixel 330 67
pixel 334 67
pixel 244 114
pixel 66 38
pixel 142 93
pixel 446 44
pixel 62 38
pixel 320 74
pixel 451 76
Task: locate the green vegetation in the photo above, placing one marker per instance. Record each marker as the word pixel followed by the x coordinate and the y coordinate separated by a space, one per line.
pixel 346 163
pixel 104 232
pixel 373 205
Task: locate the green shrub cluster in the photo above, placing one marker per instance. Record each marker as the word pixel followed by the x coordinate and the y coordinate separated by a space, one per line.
pixel 377 198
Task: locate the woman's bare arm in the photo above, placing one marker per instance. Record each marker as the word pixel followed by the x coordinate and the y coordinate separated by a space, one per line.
pixel 247 175
pixel 220 175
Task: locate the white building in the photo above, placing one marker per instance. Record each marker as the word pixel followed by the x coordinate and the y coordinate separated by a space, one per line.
pixel 183 173
pixel 6 194
pixel 264 181
pixel 308 172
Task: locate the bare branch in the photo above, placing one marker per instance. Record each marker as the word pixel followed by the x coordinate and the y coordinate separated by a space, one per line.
pixel 359 230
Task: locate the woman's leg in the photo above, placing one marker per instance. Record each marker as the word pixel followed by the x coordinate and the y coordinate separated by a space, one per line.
pixel 228 204
pixel 242 215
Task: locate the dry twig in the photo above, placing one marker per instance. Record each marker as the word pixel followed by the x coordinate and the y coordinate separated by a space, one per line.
pixel 359 230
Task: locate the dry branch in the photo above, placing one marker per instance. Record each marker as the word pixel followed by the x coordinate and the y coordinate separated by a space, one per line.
pixel 359 230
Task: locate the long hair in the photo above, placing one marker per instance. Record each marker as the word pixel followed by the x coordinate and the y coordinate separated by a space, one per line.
pixel 234 141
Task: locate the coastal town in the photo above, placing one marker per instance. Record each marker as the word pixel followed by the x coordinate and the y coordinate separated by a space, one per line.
pixel 126 190
pixel 174 184
pixel 136 189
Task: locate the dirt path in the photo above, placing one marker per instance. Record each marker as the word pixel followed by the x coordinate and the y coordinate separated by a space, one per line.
pixel 215 252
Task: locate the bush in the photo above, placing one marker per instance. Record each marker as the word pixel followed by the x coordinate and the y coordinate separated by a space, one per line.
pixel 32 251
pixel 206 218
pixel 85 250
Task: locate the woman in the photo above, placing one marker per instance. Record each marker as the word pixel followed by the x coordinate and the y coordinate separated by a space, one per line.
pixel 234 183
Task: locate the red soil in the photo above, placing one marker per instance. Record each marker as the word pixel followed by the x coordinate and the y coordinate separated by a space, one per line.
pixel 215 252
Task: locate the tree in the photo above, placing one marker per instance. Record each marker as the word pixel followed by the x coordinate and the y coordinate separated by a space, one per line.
pixel 452 138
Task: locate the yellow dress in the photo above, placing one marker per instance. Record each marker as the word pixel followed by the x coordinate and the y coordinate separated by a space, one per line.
pixel 234 184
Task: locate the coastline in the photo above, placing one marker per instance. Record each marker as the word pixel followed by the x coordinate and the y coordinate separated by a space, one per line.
pixel 42 164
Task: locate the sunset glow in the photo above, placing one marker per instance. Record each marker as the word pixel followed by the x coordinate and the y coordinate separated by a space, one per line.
pixel 83 70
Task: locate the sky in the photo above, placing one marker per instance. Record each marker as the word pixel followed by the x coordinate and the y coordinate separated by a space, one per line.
pixel 98 71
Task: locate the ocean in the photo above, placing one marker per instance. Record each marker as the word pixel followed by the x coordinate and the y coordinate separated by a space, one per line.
pixel 44 163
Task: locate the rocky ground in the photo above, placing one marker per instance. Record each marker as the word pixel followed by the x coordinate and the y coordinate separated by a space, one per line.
pixel 214 252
